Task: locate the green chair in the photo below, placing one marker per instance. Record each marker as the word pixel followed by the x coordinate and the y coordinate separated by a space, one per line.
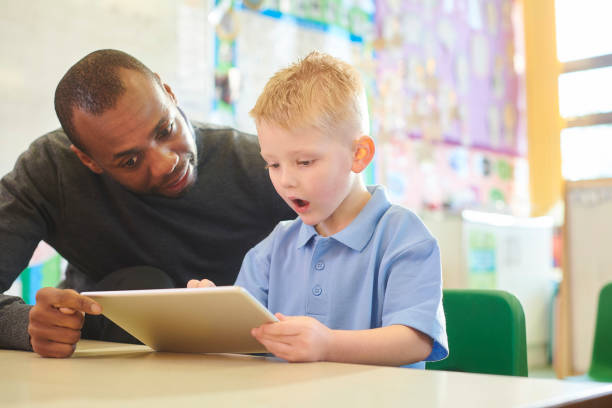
pixel 486 333
pixel 601 358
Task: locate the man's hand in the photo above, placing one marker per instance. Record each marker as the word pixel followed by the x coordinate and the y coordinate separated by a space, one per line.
pixel 56 321
pixel 204 283
pixel 295 338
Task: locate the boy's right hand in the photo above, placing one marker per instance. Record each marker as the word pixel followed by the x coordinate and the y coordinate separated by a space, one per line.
pixel 204 283
pixel 56 320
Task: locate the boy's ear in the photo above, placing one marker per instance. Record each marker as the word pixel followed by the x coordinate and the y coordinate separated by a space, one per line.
pixel 86 160
pixel 363 153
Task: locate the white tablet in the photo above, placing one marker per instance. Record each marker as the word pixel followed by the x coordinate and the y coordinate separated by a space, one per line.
pixel 202 320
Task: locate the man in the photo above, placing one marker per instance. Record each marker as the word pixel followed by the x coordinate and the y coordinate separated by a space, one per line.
pixel 131 195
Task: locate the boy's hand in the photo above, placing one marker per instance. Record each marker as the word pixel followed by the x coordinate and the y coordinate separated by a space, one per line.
pixel 56 321
pixel 204 283
pixel 295 338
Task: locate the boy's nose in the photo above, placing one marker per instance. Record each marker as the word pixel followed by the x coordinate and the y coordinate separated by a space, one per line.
pixel 163 162
pixel 288 178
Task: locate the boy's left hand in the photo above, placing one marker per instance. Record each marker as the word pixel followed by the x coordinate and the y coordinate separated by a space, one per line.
pixel 295 338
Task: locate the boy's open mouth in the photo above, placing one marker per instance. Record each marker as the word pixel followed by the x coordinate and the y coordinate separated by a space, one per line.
pixel 300 205
pixel 299 202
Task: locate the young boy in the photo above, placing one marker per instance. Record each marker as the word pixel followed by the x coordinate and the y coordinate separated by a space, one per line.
pixel 354 278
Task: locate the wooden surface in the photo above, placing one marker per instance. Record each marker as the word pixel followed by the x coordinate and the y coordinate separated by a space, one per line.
pixel 112 374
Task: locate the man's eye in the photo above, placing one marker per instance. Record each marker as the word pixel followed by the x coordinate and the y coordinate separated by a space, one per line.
pixel 305 162
pixel 167 131
pixel 131 162
pixel 272 166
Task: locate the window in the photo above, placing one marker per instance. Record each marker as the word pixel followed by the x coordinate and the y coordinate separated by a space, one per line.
pixel 585 87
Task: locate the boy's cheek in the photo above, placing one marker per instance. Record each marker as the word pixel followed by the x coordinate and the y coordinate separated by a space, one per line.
pixel 275 184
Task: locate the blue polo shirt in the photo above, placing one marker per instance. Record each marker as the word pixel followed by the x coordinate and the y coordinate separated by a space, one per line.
pixel 382 269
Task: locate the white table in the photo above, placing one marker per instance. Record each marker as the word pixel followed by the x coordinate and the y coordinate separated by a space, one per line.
pixel 117 375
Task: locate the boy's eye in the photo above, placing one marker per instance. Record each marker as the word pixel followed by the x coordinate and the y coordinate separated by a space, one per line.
pixel 271 166
pixel 305 162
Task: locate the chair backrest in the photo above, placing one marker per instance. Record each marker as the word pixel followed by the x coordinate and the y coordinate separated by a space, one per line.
pixel 601 359
pixel 486 333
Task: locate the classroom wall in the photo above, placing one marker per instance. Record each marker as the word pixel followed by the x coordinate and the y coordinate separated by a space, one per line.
pixel 40 40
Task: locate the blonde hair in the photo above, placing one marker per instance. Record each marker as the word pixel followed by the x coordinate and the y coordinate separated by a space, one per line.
pixel 318 90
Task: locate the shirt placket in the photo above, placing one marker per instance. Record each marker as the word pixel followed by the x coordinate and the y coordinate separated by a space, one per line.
pixel 318 297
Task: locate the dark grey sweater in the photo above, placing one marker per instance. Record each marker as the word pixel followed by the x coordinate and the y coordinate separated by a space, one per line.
pixel 100 227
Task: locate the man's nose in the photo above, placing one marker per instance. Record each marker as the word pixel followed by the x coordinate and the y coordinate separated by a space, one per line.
pixel 163 161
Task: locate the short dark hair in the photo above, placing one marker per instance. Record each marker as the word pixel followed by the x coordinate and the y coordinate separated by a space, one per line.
pixel 93 85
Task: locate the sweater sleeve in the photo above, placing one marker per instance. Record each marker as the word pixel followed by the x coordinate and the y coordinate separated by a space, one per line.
pixel 14 323
pixel 27 201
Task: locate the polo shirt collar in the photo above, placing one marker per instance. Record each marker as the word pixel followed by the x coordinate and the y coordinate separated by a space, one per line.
pixel 359 232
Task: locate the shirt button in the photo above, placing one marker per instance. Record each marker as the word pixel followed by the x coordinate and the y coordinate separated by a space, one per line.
pixel 320 266
pixel 317 290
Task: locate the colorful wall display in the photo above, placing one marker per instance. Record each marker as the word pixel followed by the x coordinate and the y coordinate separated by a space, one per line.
pixel 256 38
pixel 447 104
pixel 444 94
pixel 44 269
pixel 270 35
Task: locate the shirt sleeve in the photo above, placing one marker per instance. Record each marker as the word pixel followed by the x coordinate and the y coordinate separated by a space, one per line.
pixel 413 295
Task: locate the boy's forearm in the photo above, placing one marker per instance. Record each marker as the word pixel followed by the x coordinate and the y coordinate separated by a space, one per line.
pixel 393 345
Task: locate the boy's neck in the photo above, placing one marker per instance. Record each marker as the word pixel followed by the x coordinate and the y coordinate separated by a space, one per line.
pixel 348 210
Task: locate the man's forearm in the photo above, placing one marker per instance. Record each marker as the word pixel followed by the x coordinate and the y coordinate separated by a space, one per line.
pixel 14 323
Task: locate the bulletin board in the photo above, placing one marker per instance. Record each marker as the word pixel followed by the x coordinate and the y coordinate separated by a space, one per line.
pixel 257 38
pixel 587 267
pixel 448 112
pixel 443 92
